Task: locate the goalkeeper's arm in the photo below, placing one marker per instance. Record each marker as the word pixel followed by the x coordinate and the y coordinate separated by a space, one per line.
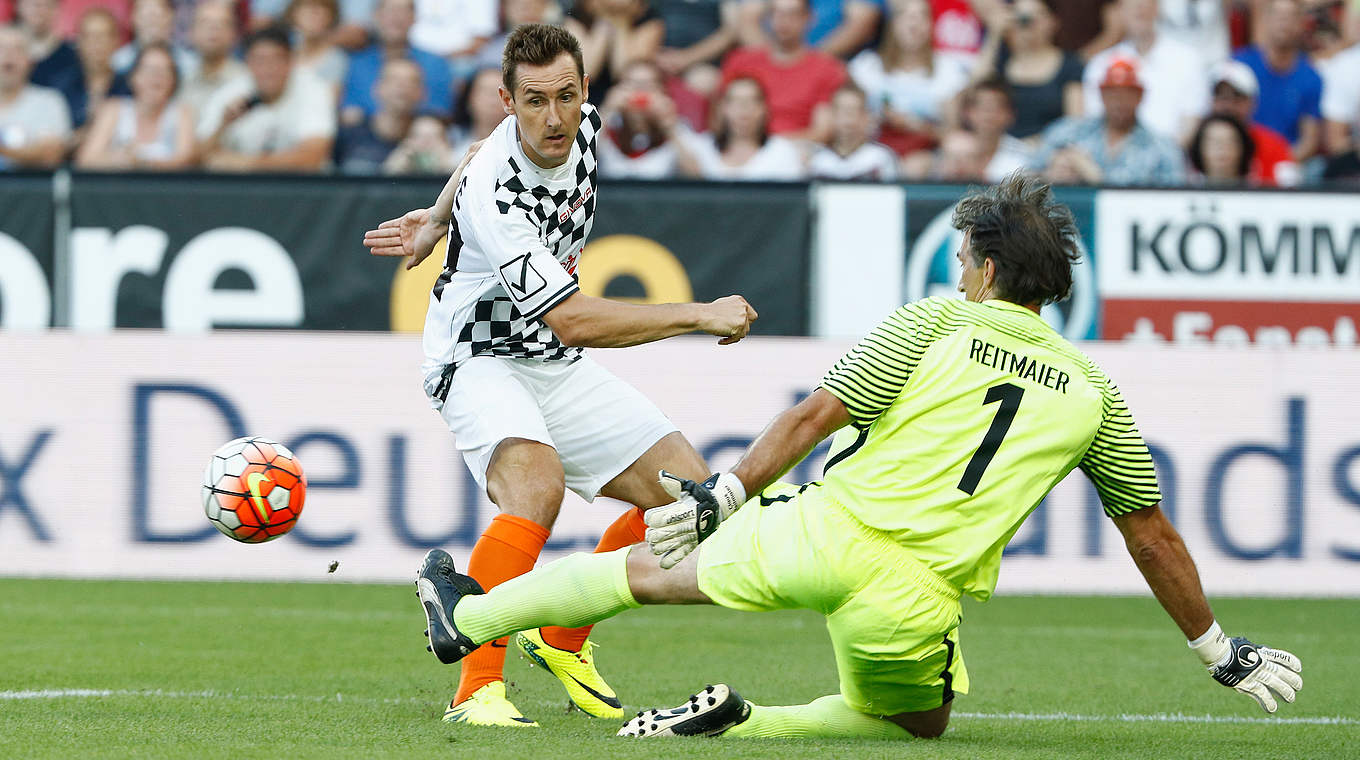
pixel 1260 672
pixel 674 531
pixel 789 438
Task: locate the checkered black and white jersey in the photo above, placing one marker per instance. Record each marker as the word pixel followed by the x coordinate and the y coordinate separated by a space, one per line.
pixel 516 236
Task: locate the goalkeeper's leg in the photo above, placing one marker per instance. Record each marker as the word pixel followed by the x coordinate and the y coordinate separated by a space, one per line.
pixel 636 485
pixel 577 590
pixel 719 711
pixel 831 717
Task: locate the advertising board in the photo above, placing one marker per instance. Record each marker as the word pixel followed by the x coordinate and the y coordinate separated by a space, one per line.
pixel 106 438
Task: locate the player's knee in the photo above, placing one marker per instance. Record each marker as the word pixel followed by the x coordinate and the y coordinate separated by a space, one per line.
pixel 929 724
pixel 526 479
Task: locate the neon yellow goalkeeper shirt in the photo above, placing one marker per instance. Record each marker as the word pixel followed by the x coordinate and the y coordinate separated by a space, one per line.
pixel 964 416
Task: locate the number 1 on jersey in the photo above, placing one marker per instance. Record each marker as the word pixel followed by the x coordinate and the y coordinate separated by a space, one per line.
pixel 1009 396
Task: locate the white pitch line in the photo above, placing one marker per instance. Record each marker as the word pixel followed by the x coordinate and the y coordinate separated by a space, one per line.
pixel 1162 718
pixel 30 694
pixel 162 694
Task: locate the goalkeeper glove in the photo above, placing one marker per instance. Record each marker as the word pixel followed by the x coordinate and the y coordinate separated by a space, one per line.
pixel 675 529
pixel 1259 672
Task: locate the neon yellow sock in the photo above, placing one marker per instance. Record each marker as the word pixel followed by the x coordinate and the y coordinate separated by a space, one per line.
pixel 576 590
pixel 828 717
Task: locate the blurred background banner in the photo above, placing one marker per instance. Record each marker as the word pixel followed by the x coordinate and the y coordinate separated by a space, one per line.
pixel 725 239
pixel 192 253
pixel 187 254
pixel 26 245
pixel 1231 268
pixel 106 438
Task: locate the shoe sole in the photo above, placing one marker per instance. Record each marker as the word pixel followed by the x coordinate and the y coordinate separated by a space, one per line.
pixel 708 713
pixel 514 722
pixel 443 643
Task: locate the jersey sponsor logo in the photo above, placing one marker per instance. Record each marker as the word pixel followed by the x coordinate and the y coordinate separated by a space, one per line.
pixel 933 270
pixel 578 203
pixel 524 280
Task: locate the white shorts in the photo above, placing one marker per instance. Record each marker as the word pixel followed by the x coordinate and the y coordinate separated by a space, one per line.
pixel 598 424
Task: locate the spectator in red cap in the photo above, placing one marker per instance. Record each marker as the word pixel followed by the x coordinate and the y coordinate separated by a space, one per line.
pixel 1113 148
pixel 795 77
pixel 1173 74
pixel 1234 94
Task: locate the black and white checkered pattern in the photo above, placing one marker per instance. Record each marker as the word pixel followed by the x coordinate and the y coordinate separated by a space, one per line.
pixel 492 324
pixel 498 329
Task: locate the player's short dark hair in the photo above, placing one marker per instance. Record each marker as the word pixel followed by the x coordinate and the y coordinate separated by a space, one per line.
pixel 538 45
pixel 275 35
pixel 1030 237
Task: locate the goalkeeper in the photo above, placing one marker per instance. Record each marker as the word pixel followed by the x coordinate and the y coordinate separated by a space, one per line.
pixel 955 418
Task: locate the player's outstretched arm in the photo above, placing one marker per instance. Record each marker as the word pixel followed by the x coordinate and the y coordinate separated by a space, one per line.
pixel 1262 673
pixel 673 531
pixel 415 233
pixel 789 438
pixel 583 320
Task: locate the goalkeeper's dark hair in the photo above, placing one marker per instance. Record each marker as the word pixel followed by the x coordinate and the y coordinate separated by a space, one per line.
pixel 538 45
pixel 1030 237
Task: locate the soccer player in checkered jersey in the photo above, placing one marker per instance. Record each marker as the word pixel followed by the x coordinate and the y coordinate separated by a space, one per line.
pixel 505 365
pixel 953 419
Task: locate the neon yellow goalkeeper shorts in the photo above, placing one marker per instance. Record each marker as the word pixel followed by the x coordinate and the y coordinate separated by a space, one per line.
pixel 893 622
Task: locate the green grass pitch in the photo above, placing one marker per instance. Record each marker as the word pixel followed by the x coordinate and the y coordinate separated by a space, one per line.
pixel 235 670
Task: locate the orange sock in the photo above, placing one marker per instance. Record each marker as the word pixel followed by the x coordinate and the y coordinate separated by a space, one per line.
pixel 508 548
pixel 629 529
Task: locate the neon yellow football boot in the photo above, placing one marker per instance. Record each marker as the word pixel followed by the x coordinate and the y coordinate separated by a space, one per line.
pixel 487 706
pixel 576 671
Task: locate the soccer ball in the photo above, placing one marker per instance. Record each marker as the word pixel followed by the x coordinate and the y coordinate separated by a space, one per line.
pixel 253 489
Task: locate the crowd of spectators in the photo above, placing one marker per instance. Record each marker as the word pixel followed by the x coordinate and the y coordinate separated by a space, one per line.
pixel 1122 92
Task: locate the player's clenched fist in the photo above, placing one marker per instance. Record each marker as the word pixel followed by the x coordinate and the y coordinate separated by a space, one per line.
pixel 729 318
